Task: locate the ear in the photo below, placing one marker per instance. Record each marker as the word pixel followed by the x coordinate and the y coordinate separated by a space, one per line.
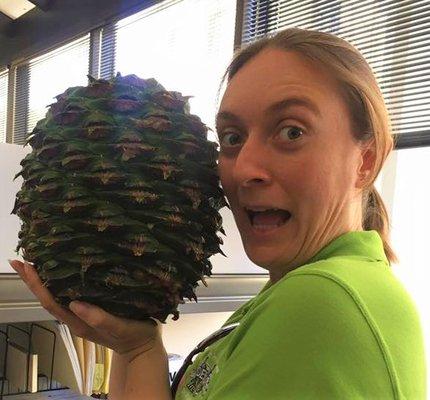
pixel 366 165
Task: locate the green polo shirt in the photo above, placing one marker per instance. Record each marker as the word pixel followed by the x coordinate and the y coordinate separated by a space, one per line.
pixel 341 326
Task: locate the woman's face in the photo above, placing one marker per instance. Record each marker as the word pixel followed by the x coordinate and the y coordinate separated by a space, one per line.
pixel 289 157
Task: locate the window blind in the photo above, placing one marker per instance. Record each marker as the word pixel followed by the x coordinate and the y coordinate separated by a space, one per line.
pixel 393 36
pixel 40 79
pixel 184 44
pixel 3 104
pixel 107 52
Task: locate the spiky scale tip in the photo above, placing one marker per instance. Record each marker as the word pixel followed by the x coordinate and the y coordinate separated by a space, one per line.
pixel 120 198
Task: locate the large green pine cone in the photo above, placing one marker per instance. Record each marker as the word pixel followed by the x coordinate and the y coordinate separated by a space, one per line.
pixel 120 199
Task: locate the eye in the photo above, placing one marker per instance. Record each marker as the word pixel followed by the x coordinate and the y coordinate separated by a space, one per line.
pixel 229 142
pixel 292 132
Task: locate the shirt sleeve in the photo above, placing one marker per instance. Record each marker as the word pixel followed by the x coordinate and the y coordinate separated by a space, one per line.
pixel 311 338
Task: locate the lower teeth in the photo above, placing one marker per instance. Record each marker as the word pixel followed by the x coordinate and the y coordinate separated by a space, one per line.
pixel 267 227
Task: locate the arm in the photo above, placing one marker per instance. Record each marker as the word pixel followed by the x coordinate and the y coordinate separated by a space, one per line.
pixel 148 376
pixel 117 378
pixel 140 374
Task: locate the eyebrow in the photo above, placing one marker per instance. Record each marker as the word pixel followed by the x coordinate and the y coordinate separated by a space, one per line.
pixel 276 107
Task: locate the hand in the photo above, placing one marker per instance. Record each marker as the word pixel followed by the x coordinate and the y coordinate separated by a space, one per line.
pixel 129 338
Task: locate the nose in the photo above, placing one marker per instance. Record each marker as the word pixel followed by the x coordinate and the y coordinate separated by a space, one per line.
pixel 252 164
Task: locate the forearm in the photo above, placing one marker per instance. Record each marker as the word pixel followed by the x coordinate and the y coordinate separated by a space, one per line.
pixel 144 378
pixel 148 376
pixel 117 377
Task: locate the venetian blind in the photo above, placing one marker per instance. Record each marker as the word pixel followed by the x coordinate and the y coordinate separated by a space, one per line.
pixel 40 79
pixel 3 104
pixel 393 36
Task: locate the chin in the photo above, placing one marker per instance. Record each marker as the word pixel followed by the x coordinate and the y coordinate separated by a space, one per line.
pixel 264 257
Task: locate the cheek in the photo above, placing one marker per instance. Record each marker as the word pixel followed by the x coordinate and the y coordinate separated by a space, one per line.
pixel 302 177
pixel 310 181
pixel 327 179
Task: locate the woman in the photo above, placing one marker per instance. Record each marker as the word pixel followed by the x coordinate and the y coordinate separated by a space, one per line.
pixel 303 133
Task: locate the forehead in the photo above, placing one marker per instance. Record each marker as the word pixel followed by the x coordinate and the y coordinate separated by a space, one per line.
pixel 275 74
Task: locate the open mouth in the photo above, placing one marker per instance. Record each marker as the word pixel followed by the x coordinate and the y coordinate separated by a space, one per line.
pixel 268 219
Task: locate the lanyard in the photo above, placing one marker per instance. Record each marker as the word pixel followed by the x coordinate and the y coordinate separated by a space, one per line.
pixel 198 349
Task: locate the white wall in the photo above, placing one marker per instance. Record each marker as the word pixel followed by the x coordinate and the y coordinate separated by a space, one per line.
pixel 10 158
pixel 181 336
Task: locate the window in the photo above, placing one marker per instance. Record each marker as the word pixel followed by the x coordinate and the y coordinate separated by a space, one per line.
pixel 3 104
pixel 39 80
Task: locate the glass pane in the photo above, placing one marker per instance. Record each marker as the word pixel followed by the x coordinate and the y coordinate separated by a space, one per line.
pixel 48 78
pixel 185 46
pixel 410 226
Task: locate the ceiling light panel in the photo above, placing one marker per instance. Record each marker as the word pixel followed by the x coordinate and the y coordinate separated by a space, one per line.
pixel 14 9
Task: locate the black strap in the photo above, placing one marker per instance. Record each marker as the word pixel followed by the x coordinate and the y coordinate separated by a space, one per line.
pixel 198 349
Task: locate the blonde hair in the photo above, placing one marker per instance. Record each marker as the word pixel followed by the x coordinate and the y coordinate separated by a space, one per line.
pixel 359 88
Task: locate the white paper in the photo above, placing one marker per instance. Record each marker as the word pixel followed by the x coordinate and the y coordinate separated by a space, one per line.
pixel 67 339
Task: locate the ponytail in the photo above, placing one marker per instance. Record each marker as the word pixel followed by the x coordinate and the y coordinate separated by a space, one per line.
pixel 375 217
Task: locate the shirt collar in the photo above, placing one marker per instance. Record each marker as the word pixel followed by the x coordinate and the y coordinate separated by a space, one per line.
pixel 364 244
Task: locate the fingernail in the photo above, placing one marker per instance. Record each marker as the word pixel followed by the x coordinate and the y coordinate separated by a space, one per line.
pixel 14 265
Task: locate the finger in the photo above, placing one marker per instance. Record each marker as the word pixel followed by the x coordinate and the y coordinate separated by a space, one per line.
pixel 17 265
